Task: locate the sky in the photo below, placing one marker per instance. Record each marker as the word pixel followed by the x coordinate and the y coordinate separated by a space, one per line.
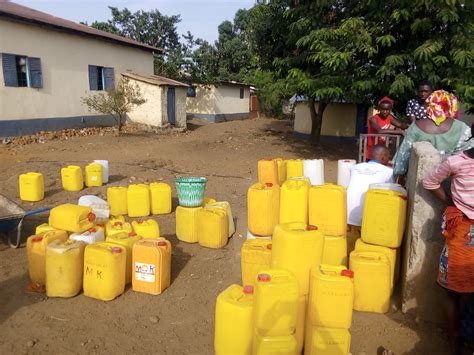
pixel 201 17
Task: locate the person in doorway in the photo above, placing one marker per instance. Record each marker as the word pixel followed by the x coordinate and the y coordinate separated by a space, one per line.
pixel 382 123
pixel 456 265
pixel 447 135
pixel 416 109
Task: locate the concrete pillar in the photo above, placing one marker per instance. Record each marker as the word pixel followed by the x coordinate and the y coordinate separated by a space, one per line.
pixel 421 296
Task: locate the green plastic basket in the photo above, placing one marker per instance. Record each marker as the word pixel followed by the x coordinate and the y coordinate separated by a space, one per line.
pixel 191 191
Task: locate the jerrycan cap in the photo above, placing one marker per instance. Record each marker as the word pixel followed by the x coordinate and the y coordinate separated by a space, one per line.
pixel 347 161
pixel 140 221
pixel 100 225
pixel 269 159
pixel 269 246
pixel 92 230
pixel 403 197
pixel 347 273
pixel 132 234
pixel 263 278
pixel 311 228
pixel 162 243
pixel 91 217
pixel 118 224
pixel 268 184
pixel 248 290
pixel 116 250
pixel 38 238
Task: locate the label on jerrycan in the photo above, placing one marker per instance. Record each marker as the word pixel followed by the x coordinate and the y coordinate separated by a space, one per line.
pixel 145 272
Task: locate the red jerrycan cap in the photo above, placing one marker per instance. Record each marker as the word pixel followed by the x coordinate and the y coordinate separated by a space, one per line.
pixel 101 225
pixel 263 278
pixel 140 221
pixel 269 246
pixel 132 234
pixel 92 230
pixel 248 290
pixel 347 273
pixel 403 197
pixel 269 159
pixel 311 228
pixel 116 250
pixel 268 184
pixel 117 224
pixel 162 243
pixel 91 217
pixel 38 238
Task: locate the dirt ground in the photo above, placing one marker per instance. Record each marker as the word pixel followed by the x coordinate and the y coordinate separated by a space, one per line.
pixel 181 320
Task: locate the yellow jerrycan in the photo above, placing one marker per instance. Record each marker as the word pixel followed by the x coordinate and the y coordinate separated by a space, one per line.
pixel 281 166
pixel 268 171
pixel 71 218
pixel 151 266
pixel 275 303
pixel 275 345
pixel 301 323
pixel 213 227
pixel 187 223
pixel 138 200
pixel 390 253
pixel 126 240
pixel 371 281
pixel 104 271
pixel 297 248
pixel 233 327
pixel 160 194
pixel 327 209
pixel 45 227
pixel 294 168
pixel 31 187
pixel 71 178
pixel 383 221
pixel 335 250
pixel 36 253
pixel 263 208
pixel 226 207
pixel 148 228
pixel 93 174
pixel 331 297
pixel 117 199
pixel 117 225
pixel 208 200
pixel 294 201
pixel 64 268
pixel 327 341
pixel 256 255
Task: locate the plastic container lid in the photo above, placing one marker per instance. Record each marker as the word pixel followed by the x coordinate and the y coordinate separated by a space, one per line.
pixel 268 184
pixel 269 246
pixel 118 223
pixel 37 239
pixel 263 278
pixel 132 234
pixel 162 243
pixel 248 290
pixel 140 221
pixel 116 250
pixel 91 217
pixel 347 273
pixel 101 225
pixel 311 228
pixel 92 230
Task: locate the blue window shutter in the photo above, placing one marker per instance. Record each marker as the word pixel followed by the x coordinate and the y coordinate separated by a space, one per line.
pixel 109 78
pixel 10 76
pixel 93 77
pixel 241 93
pixel 36 76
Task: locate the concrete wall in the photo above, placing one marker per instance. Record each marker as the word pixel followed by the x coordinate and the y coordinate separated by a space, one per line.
pixel 180 106
pixel 151 112
pixel 228 99
pixel 421 296
pixel 64 61
pixel 204 102
pixel 339 120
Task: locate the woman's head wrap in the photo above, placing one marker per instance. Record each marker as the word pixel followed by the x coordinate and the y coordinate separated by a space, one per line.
pixel 441 105
pixel 386 99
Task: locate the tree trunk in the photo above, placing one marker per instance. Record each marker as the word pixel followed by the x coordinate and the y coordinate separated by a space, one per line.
pixel 316 119
pixel 119 125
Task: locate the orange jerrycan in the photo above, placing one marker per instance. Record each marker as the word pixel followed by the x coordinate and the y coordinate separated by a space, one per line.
pixel 268 171
pixel 160 194
pixel 263 206
pixel 383 221
pixel 294 201
pixel 36 252
pixel 126 240
pixel 71 178
pixel 281 165
pixel 151 266
pixel 274 345
pixel 71 218
pixel 327 341
pixel 213 227
pixel 104 271
pixel 294 168
pixel 31 187
pixel 233 323
pixel 117 199
pixel 116 225
pixel 187 223
pixel 371 281
pixel 327 209
pixel 390 253
pixel 335 250
pixel 148 228
pixel 297 248
pixel 331 297
pixel 224 205
pixel 276 303
pixel 93 174
pixel 64 268
pixel 138 200
pixel 256 255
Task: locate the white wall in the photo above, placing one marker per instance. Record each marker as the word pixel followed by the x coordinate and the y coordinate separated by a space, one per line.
pixel 151 112
pixel 64 61
pixel 228 99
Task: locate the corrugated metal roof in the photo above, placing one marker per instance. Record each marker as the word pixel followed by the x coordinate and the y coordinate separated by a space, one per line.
pixel 154 79
pixel 22 13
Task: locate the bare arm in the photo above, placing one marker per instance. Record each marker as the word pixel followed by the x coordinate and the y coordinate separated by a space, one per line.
pixel 412 118
pixel 399 124
pixel 442 196
pixel 376 127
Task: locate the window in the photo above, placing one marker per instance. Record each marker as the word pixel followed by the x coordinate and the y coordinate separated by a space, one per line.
pixel 101 78
pixel 241 93
pixel 21 71
pixel 191 92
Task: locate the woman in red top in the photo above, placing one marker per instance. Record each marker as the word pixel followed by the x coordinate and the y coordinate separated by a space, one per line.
pixel 381 123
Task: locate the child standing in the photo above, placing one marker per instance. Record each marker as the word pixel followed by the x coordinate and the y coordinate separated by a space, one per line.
pixel 456 266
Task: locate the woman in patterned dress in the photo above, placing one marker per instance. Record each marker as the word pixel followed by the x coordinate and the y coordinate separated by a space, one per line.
pixel 416 109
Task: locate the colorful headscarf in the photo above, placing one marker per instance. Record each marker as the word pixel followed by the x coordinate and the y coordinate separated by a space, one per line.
pixel 387 100
pixel 442 105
